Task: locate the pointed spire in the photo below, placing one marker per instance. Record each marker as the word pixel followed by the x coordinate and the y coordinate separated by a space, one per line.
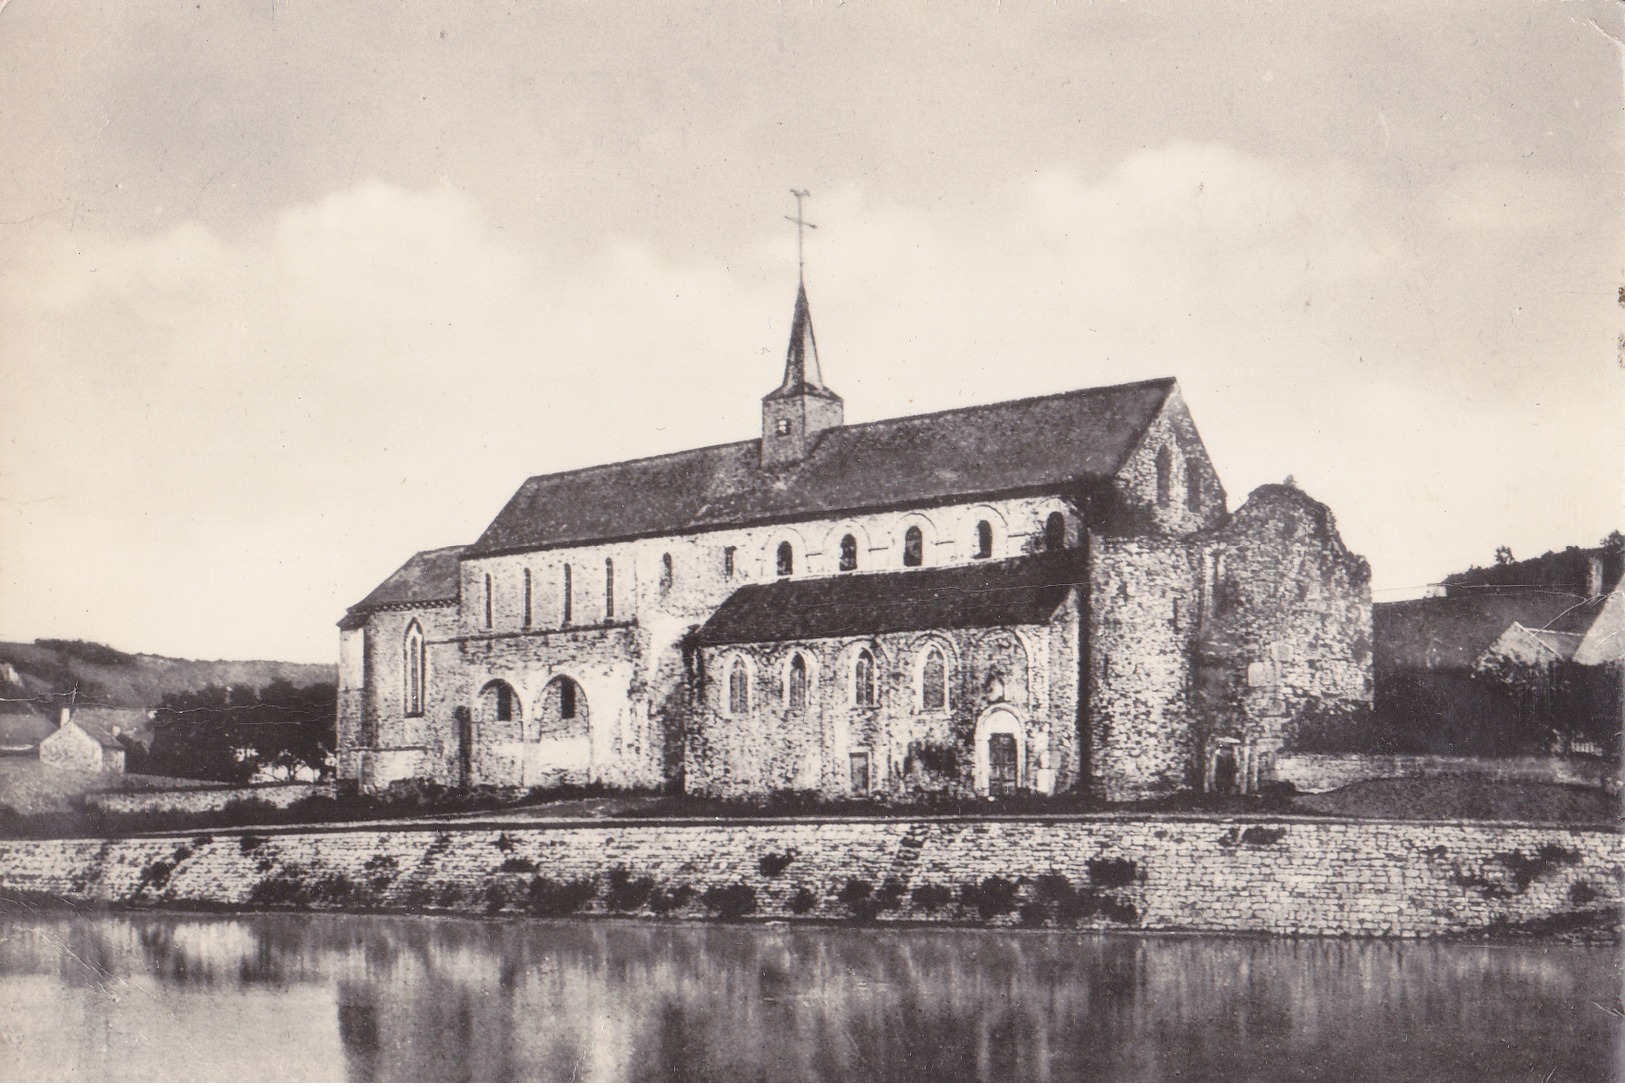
pixel 801 370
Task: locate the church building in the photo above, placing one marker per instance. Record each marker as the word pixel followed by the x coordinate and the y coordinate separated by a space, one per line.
pixel 1035 596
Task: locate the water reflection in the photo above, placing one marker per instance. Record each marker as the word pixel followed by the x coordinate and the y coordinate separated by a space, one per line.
pixel 368 998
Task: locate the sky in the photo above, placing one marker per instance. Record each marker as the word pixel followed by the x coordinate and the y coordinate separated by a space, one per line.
pixel 292 290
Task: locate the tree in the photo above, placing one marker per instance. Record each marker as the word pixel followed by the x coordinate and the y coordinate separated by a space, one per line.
pixel 226 734
pixel 1503 555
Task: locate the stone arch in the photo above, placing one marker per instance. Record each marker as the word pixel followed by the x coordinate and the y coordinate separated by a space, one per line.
pixel 498 710
pixel 970 526
pixel 894 543
pixel 999 721
pixel 810 664
pixel 846 664
pixel 732 700
pixel 562 706
pixel 798 550
pixel 832 545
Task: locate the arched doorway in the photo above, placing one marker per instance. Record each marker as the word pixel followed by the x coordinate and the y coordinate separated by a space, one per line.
pixel 1001 753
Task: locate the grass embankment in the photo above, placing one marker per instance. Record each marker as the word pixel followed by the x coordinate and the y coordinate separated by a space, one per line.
pixel 25 815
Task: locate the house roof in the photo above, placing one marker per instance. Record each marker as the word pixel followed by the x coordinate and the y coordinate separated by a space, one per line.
pixel 1453 631
pixel 992 448
pixel 426 577
pixel 25 728
pixel 1025 590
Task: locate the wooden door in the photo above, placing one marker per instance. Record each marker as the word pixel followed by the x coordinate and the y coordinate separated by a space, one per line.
pixel 1001 764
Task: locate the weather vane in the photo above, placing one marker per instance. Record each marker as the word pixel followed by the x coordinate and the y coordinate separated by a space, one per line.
pixel 801 226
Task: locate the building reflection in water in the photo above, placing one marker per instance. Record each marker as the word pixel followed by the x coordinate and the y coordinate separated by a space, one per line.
pixel 369 998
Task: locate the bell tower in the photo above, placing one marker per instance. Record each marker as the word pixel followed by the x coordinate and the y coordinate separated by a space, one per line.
pixel 801 408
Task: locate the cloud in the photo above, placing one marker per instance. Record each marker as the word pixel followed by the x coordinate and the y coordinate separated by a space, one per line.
pixel 217 441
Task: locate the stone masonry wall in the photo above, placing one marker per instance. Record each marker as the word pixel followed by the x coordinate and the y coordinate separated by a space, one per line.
pixel 1142 620
pixel 911 747
pixel 1298 876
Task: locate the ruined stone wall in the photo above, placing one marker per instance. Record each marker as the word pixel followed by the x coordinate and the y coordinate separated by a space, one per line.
pixel 1143 614
pixel 1290 877
pixel 1286 620
pixel 1188 465
pixel 1030 672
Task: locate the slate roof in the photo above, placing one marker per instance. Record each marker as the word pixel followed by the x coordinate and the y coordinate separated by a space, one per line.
pixel 1025 590
pixel 426 577
pixel 1452 631
pixel 1019 444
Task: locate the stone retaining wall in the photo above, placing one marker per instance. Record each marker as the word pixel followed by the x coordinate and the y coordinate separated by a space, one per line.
pixel 1323 773
pixel 208 799
pixel 1294 876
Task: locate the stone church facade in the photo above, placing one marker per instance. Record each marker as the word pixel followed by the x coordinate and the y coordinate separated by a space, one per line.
pixel 1034 596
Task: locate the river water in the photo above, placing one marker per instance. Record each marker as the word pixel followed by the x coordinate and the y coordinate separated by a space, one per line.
pixel 175 996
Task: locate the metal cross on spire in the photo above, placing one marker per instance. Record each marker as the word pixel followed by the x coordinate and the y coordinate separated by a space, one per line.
pixel 801 226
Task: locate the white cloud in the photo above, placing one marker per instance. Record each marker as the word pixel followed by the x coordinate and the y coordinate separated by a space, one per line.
pixel 215 443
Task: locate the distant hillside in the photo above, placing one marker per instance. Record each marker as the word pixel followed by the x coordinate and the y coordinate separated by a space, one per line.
pixel 44 670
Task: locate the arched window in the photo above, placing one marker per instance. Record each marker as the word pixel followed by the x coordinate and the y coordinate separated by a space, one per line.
pixel 1055 531
pixel 849 552
pixel 1165 476
pixel 934 680
pixel 568 595
pixel 527 598
pixel 738 688
pixel 567 699
pixel 863 679
pixel 489 605
pixel 414 670
pixel 994 687
pixel 1193 489
pixel 609 589
pixel 665 572
pixel 913 546
pixel 984 540
pixel 786 559
pixel 795 687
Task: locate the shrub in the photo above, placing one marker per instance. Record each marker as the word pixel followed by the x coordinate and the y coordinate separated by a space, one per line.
pixel 625 893
pixel 990 898
pixel 802 901
pixel 381 871
pixel 547 898
pixel 931 897
pixel 858 897
pixel 773 864
pixel 729 899
pixel 1582 893
pixel 248 843
pixel 1033 913
pixel 666 899
pixel 511 863
pixel 496 897
pixel 1112 872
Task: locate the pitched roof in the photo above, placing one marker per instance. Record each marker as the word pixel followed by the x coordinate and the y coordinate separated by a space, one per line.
pixel 1025 590
pixel 1038 442
pixel 426 577
pixel 1452 631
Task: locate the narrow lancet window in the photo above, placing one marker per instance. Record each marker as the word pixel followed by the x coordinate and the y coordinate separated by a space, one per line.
pixel 527 598
pixel 934 681
pixel 1165 476
pixel 795 692
pixel 489 604
pixel 609 589
pixel 863 679
pixel 414 670
pixel 738 689
pixel 566 590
